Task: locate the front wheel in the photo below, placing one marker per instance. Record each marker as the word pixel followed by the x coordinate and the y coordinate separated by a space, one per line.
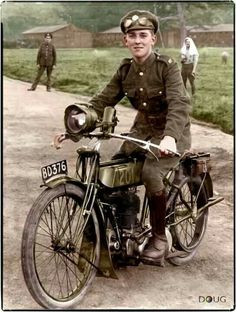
pixel 58 263
pixel 187 233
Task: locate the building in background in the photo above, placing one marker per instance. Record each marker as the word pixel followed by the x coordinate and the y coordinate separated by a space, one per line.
pixel 69 36
pixel 64 36
pixel 221 35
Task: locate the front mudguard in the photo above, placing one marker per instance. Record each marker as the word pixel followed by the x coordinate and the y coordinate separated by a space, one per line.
pixel 55 181
pixel 106 268
pixel 105 264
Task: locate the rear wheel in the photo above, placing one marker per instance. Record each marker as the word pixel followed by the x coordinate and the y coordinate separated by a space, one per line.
pixel 58 262
pixel 188 233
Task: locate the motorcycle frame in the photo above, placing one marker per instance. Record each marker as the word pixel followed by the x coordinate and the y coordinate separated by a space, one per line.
pixel 89 182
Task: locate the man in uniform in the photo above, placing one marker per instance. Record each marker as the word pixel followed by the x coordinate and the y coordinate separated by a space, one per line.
pixel 46 59
pixel 153 84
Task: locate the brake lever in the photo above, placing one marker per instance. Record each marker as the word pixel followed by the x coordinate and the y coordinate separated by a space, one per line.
pixel 58 139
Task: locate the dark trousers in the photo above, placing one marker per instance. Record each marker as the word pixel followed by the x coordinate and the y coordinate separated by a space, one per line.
pixel 186 73
pixel 41 70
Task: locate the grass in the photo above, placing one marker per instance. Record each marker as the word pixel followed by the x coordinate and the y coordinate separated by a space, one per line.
pixel 86 72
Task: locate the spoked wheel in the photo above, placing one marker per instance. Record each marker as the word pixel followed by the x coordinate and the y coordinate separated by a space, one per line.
pixel 188 233
pixel 58 259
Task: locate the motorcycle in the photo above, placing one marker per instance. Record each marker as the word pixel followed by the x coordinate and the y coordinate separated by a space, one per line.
pixel 95 222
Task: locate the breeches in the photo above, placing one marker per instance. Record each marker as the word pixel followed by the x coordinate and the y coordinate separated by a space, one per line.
pixel 154 171
pixel 186 73
pixel 155 167
pixel 40 73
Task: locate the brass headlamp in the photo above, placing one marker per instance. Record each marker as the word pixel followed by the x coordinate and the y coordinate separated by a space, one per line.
pixel 80 119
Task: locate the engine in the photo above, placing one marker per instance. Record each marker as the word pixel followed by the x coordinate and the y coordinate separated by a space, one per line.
pixel 126 205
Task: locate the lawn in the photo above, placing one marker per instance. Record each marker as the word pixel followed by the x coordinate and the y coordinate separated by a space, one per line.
pixel 86 71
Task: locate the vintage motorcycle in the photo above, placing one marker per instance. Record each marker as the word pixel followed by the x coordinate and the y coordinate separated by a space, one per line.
pixel 95 222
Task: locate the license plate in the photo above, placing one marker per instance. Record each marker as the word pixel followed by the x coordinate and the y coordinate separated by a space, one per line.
pixel 58 168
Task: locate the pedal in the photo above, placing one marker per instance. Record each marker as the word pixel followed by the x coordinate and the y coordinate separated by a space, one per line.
pixel 212 199
pixel 160 262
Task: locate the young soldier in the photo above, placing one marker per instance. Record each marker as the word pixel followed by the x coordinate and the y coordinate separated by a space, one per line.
pixel 153 84
pixel 46 59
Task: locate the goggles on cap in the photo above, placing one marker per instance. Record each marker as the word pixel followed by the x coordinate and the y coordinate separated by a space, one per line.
pixel 136 20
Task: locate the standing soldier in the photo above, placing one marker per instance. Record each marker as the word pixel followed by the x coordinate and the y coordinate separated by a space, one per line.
pixel 46 59
pixel 189 60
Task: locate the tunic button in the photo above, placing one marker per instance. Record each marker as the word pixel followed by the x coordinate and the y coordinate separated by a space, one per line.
pixel 144 104
pixel 141 89
pixel 160 92
pixel 141 74
pixel 126 93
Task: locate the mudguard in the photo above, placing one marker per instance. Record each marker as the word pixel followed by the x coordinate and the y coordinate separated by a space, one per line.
pixel 208 185
pixel 55 181
pixel 106 268
pixel 105 265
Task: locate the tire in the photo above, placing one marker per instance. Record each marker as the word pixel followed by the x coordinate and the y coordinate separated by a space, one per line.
pixel 56 262
pixel 187 235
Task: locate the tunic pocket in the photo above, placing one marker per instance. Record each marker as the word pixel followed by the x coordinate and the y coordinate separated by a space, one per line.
pixel 129 91
pixel 155 92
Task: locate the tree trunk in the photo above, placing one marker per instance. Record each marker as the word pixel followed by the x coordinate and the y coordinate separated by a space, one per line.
pixel 159 29
pixel 182 22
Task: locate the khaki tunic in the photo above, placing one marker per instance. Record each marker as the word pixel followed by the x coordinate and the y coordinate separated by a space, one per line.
pixel 155 89
pixel 46 55
pixel 46 59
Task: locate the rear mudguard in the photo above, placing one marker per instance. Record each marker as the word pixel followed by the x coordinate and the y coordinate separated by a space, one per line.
pixel 106 268
pixel 208 185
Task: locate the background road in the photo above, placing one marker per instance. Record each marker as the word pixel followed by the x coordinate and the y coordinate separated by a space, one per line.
pixel 30 120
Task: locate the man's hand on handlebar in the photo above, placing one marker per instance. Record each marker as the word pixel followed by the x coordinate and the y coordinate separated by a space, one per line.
pixel 168 146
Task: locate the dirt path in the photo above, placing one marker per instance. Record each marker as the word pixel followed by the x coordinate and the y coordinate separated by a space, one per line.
pixel 30 120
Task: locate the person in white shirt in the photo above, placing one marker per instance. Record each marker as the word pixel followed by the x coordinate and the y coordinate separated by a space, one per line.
pixel 189 60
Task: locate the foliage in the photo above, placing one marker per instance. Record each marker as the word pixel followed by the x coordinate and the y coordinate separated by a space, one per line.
pixel 86 72
pixel 21 16
pixel 98 16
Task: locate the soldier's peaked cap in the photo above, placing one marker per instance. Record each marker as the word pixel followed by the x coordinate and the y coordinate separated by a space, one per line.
pixel 48 35
pixel 138 19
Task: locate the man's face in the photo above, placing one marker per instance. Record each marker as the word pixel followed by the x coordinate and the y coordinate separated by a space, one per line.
pixel 140 43
pixel 48 38
pixel 187 43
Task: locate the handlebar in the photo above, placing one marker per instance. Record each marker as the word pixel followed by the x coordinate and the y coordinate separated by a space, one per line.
pixel 146 145
pixel 143 144
pixel 76 128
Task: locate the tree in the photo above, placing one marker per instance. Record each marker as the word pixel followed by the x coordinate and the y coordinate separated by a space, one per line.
pixel 99 16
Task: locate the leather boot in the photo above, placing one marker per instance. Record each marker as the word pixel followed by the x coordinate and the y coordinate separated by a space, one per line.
pixel 157 245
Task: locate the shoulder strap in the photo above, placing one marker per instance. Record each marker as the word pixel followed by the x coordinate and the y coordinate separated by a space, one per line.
pixel 164 58
pixel 124 67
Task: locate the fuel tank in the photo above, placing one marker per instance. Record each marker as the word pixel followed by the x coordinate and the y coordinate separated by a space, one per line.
pixel 121 172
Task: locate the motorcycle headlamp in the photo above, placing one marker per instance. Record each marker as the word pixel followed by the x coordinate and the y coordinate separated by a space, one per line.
pixel 79 119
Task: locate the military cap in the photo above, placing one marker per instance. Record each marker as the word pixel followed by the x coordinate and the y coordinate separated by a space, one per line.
pixel 139 19
pixel 48 34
